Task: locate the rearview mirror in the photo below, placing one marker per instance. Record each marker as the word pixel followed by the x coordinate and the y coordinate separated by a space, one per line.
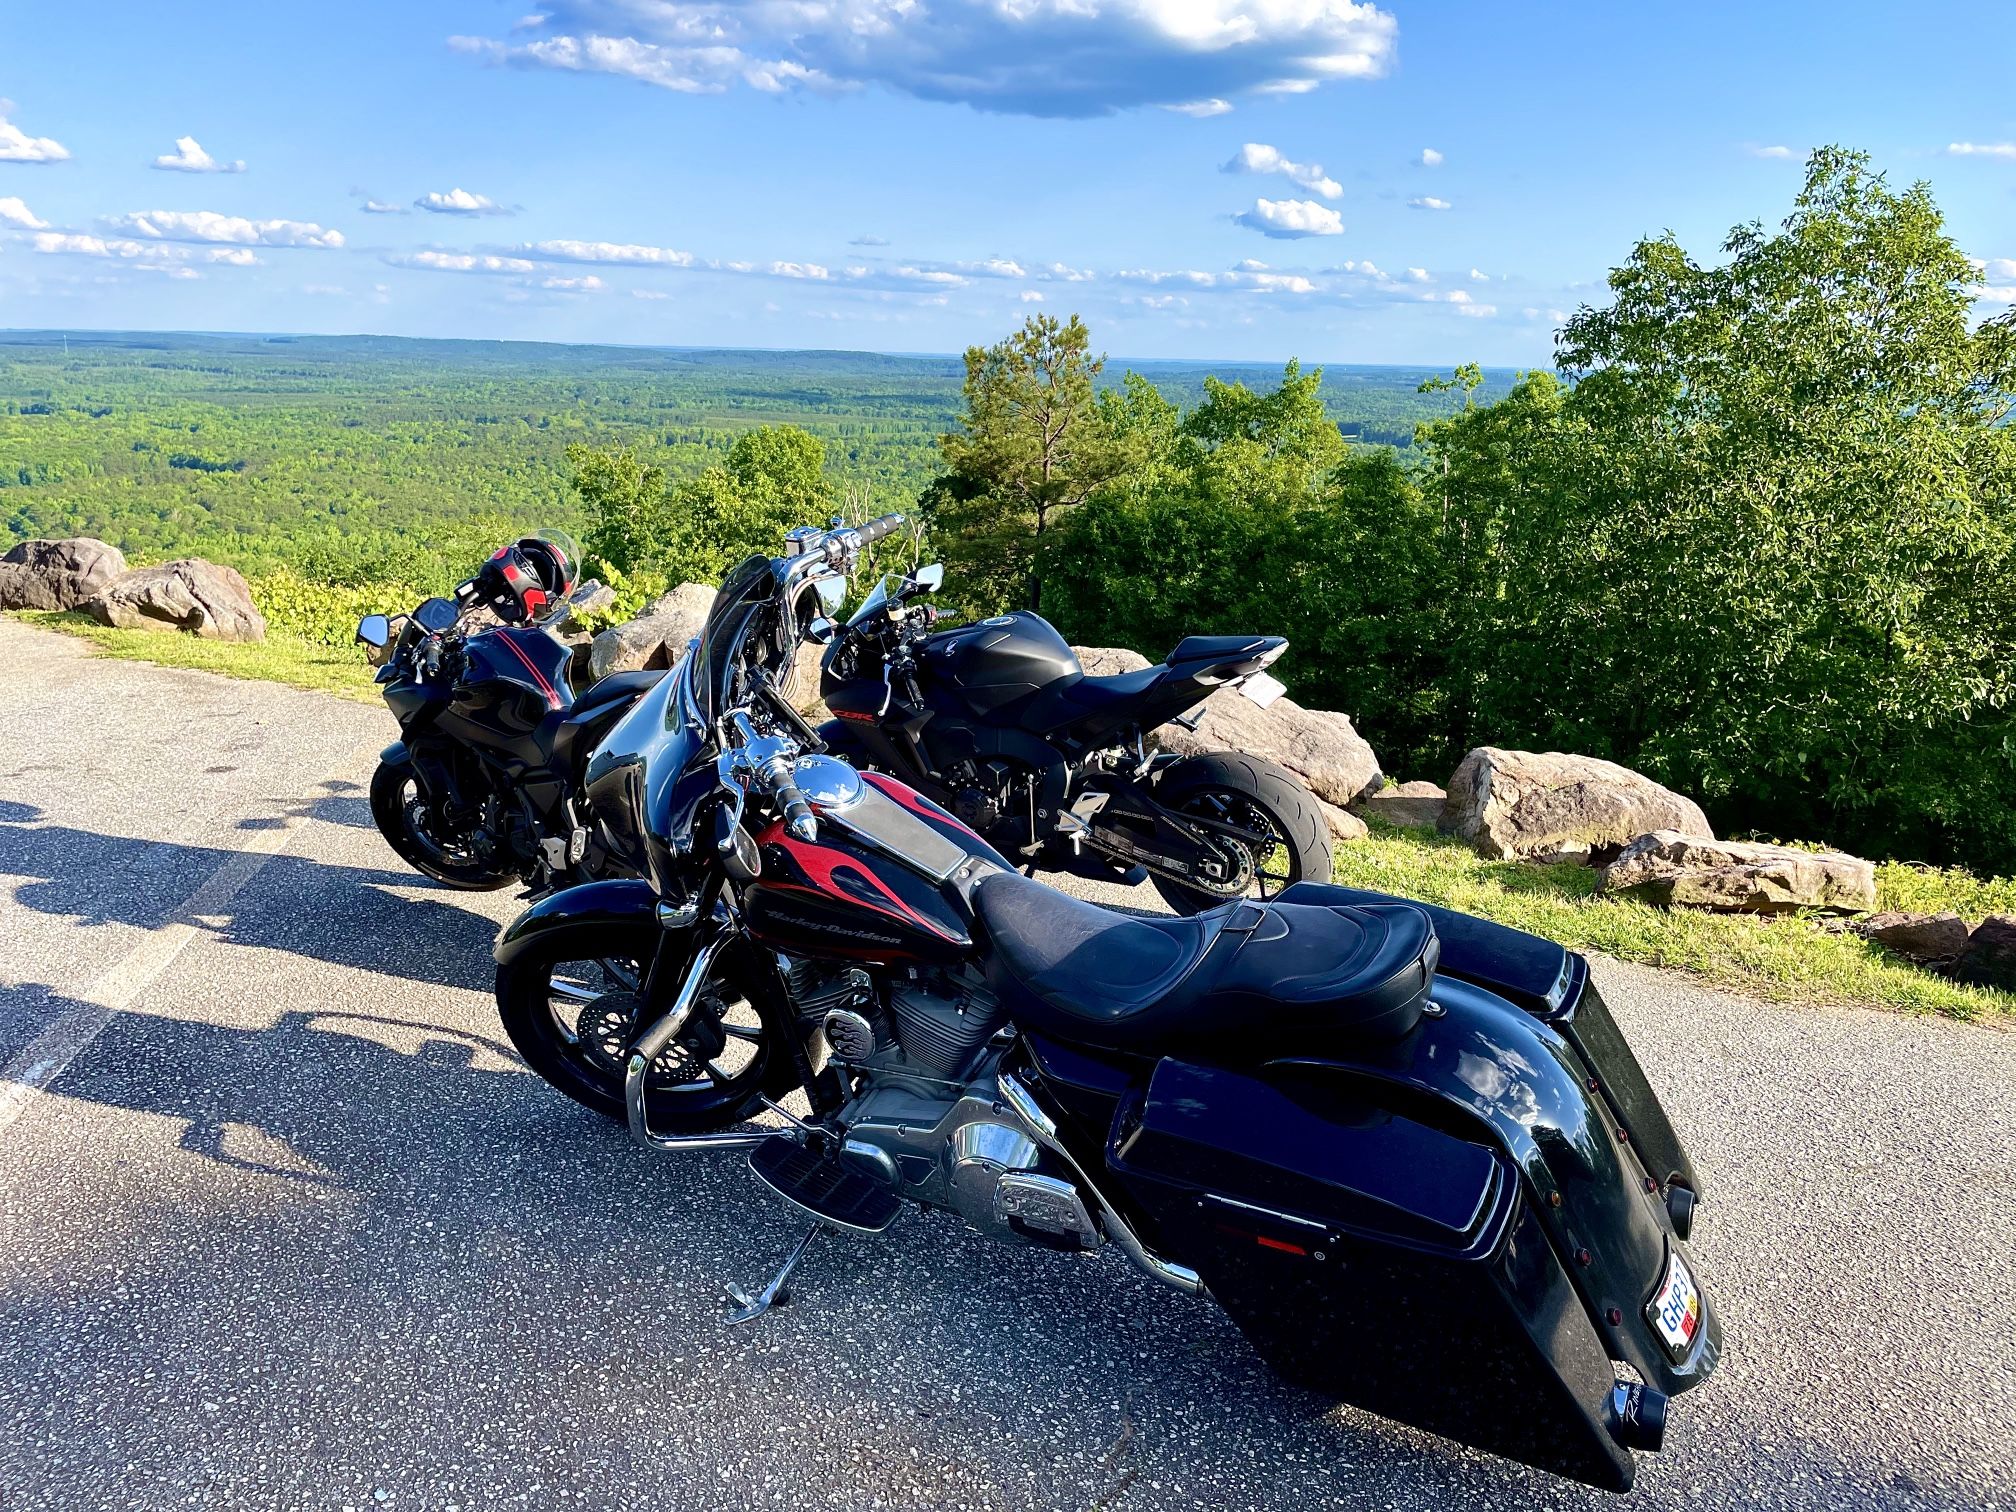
pixel 821 630
pixel 832 592
pixel 374 630
pixel 929 578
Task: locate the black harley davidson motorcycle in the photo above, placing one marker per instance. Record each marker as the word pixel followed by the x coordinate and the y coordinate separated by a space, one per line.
pixel 1407 1150
pixel 479 790
pixel 998 722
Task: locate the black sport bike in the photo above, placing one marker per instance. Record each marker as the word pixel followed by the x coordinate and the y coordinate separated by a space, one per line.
pixel 998 722
pixel 1408 1151
pixel 479 790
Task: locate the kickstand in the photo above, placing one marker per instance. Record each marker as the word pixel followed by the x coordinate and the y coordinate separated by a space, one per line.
pixel 777 1293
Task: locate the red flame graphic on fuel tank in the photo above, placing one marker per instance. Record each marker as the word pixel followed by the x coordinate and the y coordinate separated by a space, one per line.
pixel 823 866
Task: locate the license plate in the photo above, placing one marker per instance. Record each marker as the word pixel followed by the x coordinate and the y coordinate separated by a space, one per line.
pixel 1675 1310
pixel 1262 689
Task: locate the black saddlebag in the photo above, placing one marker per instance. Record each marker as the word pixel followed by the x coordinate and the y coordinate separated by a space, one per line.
pixel 1377 1257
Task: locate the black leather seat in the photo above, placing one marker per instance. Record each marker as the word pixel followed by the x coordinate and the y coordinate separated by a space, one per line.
pixel 616 687
pixel 1244 982
pixel 1220 648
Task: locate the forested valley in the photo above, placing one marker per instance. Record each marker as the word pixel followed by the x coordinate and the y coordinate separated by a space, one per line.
pixel 1754 534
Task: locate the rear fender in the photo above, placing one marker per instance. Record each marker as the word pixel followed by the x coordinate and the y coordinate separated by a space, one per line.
pixel 592 907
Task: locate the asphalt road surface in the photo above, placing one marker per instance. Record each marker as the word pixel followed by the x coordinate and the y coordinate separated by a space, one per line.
pixel 284 1224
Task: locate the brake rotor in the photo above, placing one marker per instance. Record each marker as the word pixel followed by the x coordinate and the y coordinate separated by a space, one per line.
pixel 608 1024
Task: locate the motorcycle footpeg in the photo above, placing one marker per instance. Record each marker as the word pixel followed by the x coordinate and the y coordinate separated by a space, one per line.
pixel 822 1186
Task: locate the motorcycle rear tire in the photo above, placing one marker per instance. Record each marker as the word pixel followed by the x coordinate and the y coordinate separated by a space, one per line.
pixel 1290 809
pixel 389 809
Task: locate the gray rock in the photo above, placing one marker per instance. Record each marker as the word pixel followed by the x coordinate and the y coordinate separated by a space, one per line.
pixel 57 574
pixel 657 637
pixel 1547 805
pixel 1322 748
pixel 1737 876
pixel 191 595
pixel 1344 825
pixel 1917 937
pixel 1990 957
pixel 1411 805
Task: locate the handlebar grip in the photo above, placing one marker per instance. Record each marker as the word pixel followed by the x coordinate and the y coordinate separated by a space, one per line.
pixel 874 530
pixel 799 821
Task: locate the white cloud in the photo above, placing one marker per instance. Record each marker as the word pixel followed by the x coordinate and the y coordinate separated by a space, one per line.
pixel 1032 296
pixel 587 284
pixel 379 207
pixel 1953 149
pixel 189 157
pixel 1036 57
pixel 1419 275
pixel 1771 152
pixel 605 252
pixel 237 257
pixel 1291 218
pixel 62 243
pixel 461 202
pixel 209 226
pixel 869 241
pixel 1251 265
pixel 995 267
pixel 16 146
pixel 15 213
pixel 652 294
pixel 1202 110
pixel 1258 157
pixel 812 271
pixel 1477 311
pixel 930 276
pixel 1429 202
pixel 1429 158
pixel 1479 276
pixel 460 262
pixel 1991 268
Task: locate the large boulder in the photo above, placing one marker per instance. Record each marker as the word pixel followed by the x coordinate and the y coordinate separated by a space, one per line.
pixel 1737 876
pixel 1411 805
pixel 1332 758
pixel 1927 939
pixel 1342 824
pixel 657 637
pixel 1544 805
pixel 1990 957
pixel 195 596
pixel 57 574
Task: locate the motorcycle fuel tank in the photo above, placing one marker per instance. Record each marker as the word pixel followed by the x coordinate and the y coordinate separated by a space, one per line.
pixel 512 680
pixel 885 879
pixel 1000 661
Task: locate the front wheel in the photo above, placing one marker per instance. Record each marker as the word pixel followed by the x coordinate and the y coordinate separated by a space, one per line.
pixel 1261 816
pixel 572 1004
pixel 409 821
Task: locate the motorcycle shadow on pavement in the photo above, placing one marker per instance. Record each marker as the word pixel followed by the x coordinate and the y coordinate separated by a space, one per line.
pixel 341 915
pixel 397 1201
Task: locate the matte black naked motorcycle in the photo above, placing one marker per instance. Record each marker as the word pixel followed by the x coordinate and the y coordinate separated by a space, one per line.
pixel 998 722
pixel 479 790
pixel 1406 1149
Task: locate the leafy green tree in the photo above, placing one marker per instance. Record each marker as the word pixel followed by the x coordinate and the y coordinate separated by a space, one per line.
pixel 1036 442
pixel 1764 546
pixel 1278 445
pixel 625 499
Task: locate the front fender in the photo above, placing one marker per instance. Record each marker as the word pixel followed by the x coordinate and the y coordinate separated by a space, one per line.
pixel 394 753
pixel 624 901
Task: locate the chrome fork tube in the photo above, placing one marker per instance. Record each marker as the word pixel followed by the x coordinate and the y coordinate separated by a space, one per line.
pixel 1043 1129
pixel 652 1044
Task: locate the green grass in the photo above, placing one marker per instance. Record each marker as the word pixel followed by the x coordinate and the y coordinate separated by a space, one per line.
pixel 1789 958
pixel 280 658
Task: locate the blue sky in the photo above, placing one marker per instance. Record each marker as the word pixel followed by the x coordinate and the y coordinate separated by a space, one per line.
pixel 1199 178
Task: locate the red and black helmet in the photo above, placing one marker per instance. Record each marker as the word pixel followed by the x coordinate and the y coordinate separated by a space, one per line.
pixel 523 580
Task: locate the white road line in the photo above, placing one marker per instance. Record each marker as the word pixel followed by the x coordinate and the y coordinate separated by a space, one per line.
pixel 51 1052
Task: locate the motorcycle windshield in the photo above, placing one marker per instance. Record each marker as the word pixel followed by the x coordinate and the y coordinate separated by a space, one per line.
pixel 877 597
pixel 739 611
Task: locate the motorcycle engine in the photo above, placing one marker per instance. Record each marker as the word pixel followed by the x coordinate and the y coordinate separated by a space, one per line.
pixel 941 1020
pixel 982 792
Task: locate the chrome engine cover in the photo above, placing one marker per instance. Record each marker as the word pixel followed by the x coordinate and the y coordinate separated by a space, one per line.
pixel 957 1153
